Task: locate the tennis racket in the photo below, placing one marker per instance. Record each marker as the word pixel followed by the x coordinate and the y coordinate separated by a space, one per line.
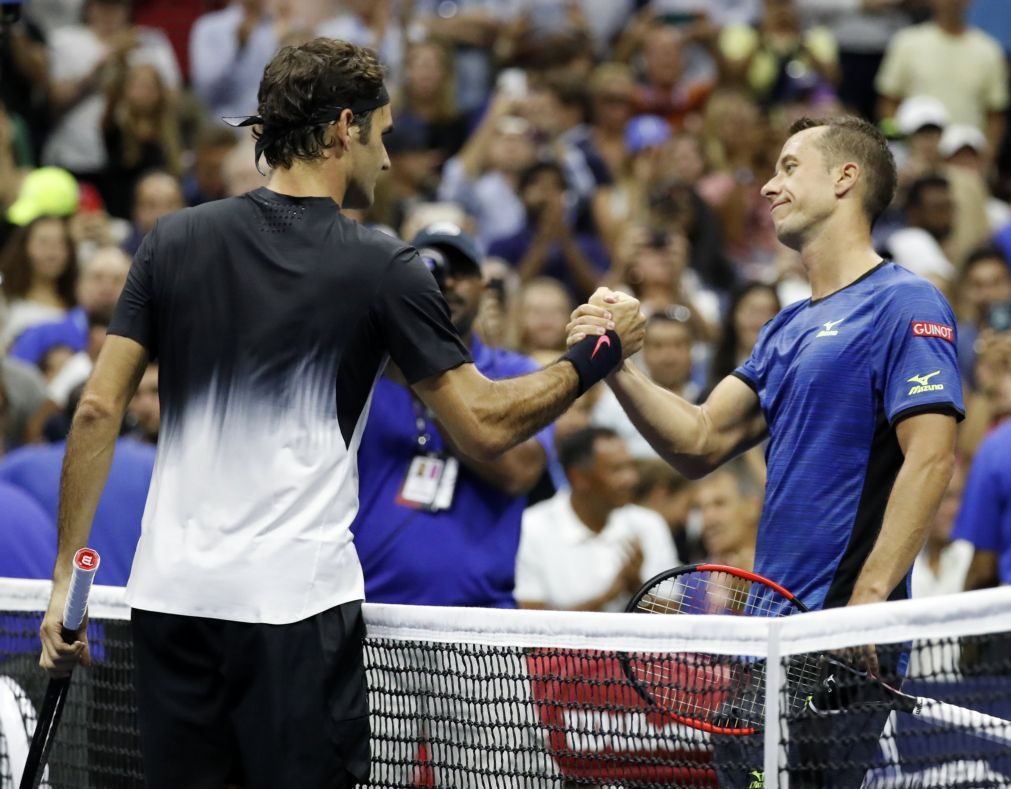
pixel 85 565
pixel 726 695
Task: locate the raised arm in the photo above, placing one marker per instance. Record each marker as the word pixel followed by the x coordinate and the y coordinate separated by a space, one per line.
pixel 694 439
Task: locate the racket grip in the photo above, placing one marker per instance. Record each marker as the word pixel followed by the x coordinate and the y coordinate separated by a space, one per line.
pixel 86 562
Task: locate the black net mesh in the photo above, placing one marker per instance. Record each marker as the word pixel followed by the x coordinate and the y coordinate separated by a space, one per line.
pixel 97 742
pixel 446 713
pixel 855 729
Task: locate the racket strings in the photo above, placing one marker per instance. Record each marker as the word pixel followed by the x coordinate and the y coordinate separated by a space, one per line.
pixel 723 692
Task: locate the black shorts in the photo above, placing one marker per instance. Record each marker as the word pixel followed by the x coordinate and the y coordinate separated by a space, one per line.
pixel 255 705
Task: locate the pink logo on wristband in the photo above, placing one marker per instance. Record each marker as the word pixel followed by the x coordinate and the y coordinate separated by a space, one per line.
pixel 603 340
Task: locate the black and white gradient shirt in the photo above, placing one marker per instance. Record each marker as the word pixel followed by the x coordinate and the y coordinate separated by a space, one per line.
pixel 272 318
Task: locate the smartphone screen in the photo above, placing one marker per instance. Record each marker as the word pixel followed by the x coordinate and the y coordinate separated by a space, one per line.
pixel 999 316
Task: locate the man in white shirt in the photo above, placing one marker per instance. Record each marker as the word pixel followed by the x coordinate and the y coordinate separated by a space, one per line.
pixel 945 57
pixel 589 548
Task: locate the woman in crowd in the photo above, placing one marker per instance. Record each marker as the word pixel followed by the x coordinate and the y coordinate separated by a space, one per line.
pixel 429 96
pixel 752 305
pixel 39 269
pixel 141 133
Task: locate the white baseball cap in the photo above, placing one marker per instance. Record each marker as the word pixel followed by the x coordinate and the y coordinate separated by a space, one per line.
pixel 959 136
pixel 915 249
pixel 916 112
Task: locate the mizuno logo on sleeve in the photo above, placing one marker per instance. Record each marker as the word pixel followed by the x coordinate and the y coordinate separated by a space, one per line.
pixel 923 383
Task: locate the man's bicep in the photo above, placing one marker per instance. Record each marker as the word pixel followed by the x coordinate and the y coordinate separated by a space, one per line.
pixel 929 435
pixel 734 418
pixel 415 320
pixel 117 372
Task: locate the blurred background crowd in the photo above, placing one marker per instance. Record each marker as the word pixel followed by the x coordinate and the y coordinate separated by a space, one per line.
pixel 578 143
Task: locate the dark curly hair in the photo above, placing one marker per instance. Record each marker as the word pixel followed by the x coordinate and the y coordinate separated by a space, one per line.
pixel 850 138
pixel 302 81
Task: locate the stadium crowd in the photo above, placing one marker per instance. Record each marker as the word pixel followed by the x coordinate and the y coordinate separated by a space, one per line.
pixel 540 148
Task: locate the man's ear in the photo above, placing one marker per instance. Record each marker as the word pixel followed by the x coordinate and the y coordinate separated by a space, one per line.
pixel 846 178
pixel 343 127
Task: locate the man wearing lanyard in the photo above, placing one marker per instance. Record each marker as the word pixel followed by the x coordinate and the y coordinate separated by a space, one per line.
pixel 435 527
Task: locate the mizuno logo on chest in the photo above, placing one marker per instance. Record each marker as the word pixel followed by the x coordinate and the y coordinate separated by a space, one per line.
pixel 830 329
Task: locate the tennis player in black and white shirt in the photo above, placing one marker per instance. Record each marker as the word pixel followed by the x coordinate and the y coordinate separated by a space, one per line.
pixel 272 316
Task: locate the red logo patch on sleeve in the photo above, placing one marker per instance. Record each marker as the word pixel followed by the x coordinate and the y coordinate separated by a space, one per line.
pixel 927 329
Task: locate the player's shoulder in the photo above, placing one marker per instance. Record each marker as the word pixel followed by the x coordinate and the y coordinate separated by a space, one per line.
pixel 372 246
pixel 796 310
pixel 217 213
pixel 897 285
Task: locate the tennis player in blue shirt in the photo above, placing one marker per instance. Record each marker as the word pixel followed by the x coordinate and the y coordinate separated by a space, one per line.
pixel 857 390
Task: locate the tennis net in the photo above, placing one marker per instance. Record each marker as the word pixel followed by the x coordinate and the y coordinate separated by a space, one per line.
pixel 477 698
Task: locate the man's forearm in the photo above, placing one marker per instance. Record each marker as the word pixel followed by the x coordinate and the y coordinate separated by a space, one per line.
pixel 517 408
pixel 86 466
pixel 670 424
pixel 912 505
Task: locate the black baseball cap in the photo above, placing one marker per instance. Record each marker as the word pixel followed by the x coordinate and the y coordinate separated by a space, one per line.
pixel 451 240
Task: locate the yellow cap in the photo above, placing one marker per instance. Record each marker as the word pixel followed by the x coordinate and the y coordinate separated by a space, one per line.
pixel 47 191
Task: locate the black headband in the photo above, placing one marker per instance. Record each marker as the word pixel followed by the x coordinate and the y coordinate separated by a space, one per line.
pixel 270 131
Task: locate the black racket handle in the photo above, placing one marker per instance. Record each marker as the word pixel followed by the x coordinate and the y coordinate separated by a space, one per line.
pixel 45 728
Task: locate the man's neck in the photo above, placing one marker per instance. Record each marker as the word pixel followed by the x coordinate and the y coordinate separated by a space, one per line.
pixel 306 180
pixel 592 516
pixel 953 26
pixel 837 257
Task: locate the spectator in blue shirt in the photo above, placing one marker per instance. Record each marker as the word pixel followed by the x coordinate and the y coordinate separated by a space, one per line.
pixel 454 542
pixel 34 470
pixel 28 536
pixel 99 284
pixel 985 515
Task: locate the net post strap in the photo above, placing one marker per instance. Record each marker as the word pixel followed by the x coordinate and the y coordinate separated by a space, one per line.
pixel 774 679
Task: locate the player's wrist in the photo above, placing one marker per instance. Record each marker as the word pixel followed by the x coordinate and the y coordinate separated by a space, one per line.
pixel 594 358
